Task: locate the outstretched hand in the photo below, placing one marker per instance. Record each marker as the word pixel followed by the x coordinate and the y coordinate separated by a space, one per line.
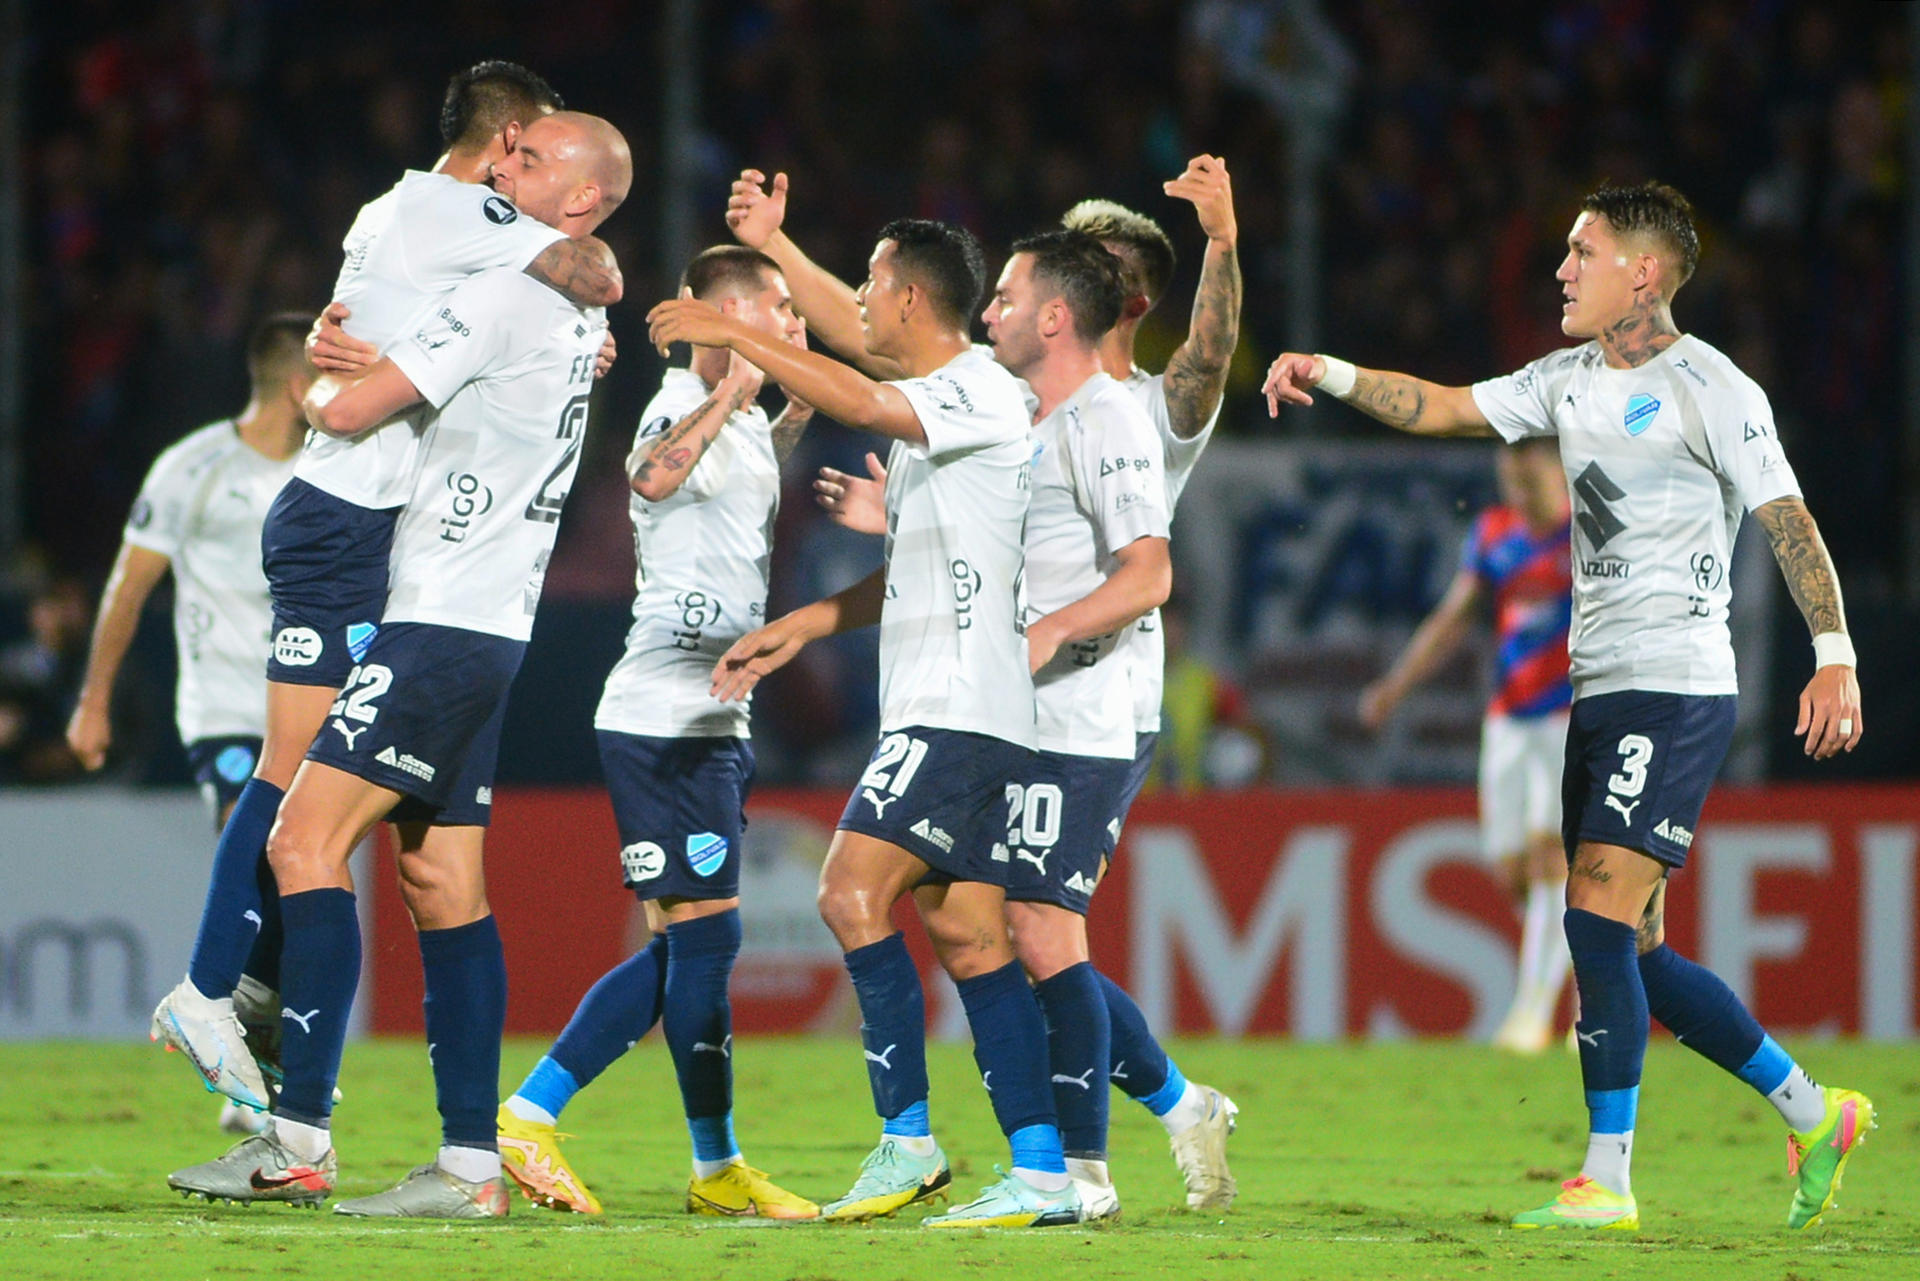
pixel 687 319
pixel 1830 712
pixel 332 350
pixel 1288 379
pixel 857 503
pixel 754 210
pixel 1207 185
pixel 758 654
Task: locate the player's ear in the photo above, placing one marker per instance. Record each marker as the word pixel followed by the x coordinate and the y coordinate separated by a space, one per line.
pixel 586 198
pixel 509 137
pixel 1136 306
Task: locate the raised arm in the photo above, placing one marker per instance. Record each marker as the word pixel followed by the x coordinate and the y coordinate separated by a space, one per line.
pixel 1197 374
pixel 135 572
pixel 583 269
pixel 1428 649
pixel 756 210
pixel 1830 704
pixel 657 468
pixel 1400 401
pixel 840 391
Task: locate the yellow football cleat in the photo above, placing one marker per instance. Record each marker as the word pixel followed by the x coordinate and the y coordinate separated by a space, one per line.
pixel 1582 1203
pixel 739 1191
pixel 1818 1157
pixel 530 1156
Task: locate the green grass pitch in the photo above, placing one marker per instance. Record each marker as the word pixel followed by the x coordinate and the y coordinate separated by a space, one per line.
pixel 1354 1161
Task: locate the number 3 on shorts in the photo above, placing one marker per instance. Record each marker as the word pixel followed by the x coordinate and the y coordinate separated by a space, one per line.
pixel 1636 751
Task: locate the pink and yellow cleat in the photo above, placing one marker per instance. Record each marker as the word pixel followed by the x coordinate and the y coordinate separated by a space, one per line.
pixel 530 1156
pixel 1818 1156
pixel 1582 1203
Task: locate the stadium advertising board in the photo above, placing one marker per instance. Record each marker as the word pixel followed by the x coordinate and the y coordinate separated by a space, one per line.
pixel 1317 914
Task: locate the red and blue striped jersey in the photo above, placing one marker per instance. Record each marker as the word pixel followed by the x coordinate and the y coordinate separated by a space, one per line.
pixel 1530 578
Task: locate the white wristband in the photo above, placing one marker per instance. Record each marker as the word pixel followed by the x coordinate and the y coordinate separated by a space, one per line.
pixel 1338 380
pixel 1831 648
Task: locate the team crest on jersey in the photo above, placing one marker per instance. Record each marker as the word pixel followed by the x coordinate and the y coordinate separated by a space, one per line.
pixel 234 763
pixel 499 211
pixel 360 639
pixel 1641 410
pixel 706 851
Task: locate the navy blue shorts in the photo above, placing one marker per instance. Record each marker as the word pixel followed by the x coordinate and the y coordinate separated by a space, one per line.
pixel 1639 766
pixel 940 795
pixel 680 806
pixel 1143 748
pixel 223 765
pixel 1063 825
pixel 422 716
pixel 326 565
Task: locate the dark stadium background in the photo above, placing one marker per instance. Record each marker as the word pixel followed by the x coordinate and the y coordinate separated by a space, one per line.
pixel 1404 175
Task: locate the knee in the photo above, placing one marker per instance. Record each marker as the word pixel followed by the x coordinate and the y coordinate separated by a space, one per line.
pixel 853 912
pixel 295 853
pixel 1046 942
pixel 439 896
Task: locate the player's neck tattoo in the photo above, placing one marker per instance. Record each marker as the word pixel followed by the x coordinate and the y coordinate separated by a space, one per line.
pixel 1641 334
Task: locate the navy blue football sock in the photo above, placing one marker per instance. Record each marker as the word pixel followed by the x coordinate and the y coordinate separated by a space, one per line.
pixel 698 1024
pixel 1139 1065
pixel 319 969
pixel 466 1009
pixel 1612 1030
pixel 1080 1050
pixel 1693 1003
pixel 614 1014
pixel 1009 1045
pixel 231 917
pixel 263 961
pixel 893 1023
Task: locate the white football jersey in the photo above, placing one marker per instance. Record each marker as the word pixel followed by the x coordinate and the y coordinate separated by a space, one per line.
pixel 953 645
pixel 404 251
pixel 508 364
pixel 1099 483
pixel 1662 461
pixel 201 507
pixel 1147 645
pixel 701 584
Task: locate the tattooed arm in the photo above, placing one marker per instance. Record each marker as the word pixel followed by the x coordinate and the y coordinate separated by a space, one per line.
pixel 583 269
pixel 1830 704
pixel 656 470
pixel 1398 400
pixel 789 427
pixel 1197 374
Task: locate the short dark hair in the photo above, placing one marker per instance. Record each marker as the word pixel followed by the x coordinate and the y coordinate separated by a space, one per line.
pixel 275 343
pixel 1653 209
pixel 1145 252
pixel 724 266
pixel 484 98
pixel 1082 271
pixel 945 260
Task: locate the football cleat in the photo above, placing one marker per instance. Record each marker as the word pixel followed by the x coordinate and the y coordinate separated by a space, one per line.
pixel 260 1168
pixel 1093 1182
pixel 1012 1203
pixel 1818 1156
pixel 891 1177
pixel 530 1155
pixel 1524 1031
pixel 429 1192
pixel 209 1034
pixel 1582 1203
pixel 1200 1151
pixel 257 1006
pixel 742 1192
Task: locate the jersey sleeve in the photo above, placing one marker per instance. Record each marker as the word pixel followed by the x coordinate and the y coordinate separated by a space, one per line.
pixel 958 411
pixel 1120 475
pixel 467 333
pixel 158 520
pixel 467 228
pixel 1520 404
pixel 1744 447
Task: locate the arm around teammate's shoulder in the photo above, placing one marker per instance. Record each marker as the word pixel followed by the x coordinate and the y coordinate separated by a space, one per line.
pixel 1401 401
pixel 582 269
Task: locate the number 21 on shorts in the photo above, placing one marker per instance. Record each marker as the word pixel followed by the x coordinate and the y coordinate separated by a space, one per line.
pixel 891 771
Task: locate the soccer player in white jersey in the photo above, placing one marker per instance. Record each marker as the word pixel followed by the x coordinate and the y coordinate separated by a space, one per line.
pixel 956 719
pixel 326 539
pixel 1666 444
pixel 509 367
pixel 705 473
pixel 199 515
pixel 1198 1118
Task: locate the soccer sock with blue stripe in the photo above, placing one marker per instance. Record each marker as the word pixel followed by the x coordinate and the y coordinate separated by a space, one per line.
pixel 1693 1003
pixel 231 917
pixel 1612 1035
pixel 1139 1067
pixel 1080 1051
pixel 319 970
pixel 614 1014
pixel 893 1029
pixel 466 1011
pixel 698 1023
pixel 1009 1045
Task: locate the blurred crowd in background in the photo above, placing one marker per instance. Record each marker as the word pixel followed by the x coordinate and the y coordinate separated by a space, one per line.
pixel 193 165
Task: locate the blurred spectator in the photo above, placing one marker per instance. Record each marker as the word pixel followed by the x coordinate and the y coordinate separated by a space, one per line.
pixel 39 675
pixel 1207 737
